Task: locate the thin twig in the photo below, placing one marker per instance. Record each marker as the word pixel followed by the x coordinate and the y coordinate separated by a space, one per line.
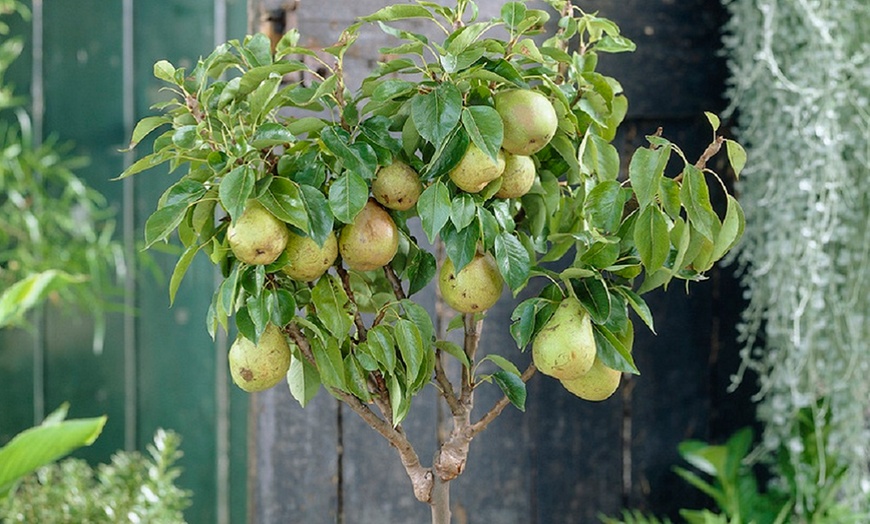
pixel 390 273
pixel 357 318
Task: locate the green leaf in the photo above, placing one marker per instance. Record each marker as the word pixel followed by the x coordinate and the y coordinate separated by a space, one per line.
pixel 355 378
pixel 732 229
pixel 304 381
pixel 503 363
pixel 638 305
pixel 143 164
pixel 434 209
pixel 418 315
pixel 523 317
pixel 594 296
pixel 393 88
pixel 330 300
pixel 43 444
pixel 283 199
pixel 348 194
pixel 736 155
pixel 513 260
pixel 320 218
pixel 330 364
pixel 513 13
pixel 281 306
pixel 645 172
pixel 235 190
pixel 165 71
pixel 436 113
pixel 462 211
pixel 398 12
pixel 695 196
pixel 145 126
pixel 460 245
pixel 454 350
pixel 612 352
pixel 513 387
pixel 382 347
pixel 604 205
pixel 669 193
pixel 255 76
pixel 411 348
pixel 163 222
pixel 420 271
pixel 485 128
pixel 713 119
pixel 359 158
pixel 651 238
pixel 566 149
pixel 180 269
pixel 30 291
pixel 447 156
pixel 271 134
pixel 185 137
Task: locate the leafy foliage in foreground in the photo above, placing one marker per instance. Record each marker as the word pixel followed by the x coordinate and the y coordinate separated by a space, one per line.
pixel 131 488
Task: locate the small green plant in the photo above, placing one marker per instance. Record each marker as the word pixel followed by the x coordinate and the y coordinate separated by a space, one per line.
pixel 131 488
pixel 725 473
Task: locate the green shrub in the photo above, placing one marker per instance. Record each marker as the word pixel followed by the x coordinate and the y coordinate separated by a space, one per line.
pixel 133 487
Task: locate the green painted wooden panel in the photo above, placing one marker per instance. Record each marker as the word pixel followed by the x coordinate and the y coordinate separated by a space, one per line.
pixel 177 384
pixel 83 98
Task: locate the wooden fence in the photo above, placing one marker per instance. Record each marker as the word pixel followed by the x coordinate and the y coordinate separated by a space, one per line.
pixel 88 70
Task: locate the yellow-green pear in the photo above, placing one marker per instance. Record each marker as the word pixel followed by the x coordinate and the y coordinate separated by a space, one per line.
pixel 257 367
pixel 397 186
pixel 565 346
pixel 598 384
pixel 476 169
pixel 477 286
pixel 307 261
pixel 371 240
pixel 256 237
pixel 518 177
pixel 529 119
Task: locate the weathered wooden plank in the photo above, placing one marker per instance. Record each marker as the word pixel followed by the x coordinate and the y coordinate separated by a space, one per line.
pixel 293 475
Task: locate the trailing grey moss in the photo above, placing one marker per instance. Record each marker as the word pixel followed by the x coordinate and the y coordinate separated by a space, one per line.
pixel 800 90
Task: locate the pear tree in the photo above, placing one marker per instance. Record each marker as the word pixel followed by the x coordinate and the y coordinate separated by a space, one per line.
pixel 475 162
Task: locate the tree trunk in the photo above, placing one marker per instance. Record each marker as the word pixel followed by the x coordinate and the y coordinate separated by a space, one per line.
pixel 440 501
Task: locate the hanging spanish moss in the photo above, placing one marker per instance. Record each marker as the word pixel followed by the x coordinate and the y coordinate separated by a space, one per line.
pixel 800 90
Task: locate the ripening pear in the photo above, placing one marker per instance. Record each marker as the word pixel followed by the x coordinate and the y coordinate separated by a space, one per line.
pixel 518 177
pixel 529 119
pixel 256 237
pixel 307 261
pixel 598 384
pixel 257 367
pixel 371 240
pixel 397 186
pixel 476 169
pixel 565 346
pixel 477 286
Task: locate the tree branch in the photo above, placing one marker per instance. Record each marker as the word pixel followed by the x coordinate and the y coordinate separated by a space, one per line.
pixel 422 478
pixel 445 386
pixel 499 406
pixel 710 152
pixel 357 318
pixel 390 273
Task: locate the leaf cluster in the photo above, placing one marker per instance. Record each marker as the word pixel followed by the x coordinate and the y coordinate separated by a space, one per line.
pixel 252 123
